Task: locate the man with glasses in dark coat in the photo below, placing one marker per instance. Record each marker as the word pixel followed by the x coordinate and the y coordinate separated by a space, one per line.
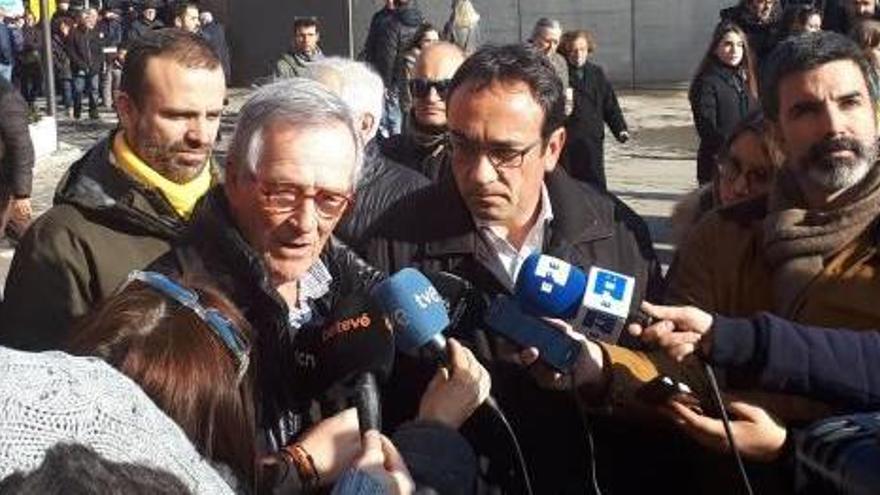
pixel 502 200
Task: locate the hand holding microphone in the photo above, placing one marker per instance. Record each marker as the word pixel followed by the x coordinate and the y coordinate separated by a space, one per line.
pixel 680 331
pixel 457 389
pixel 419 317
pixel 382 461
pixel 586 370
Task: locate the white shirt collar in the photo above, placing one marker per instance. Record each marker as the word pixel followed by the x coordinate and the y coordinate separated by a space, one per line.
pixel 314 284
pixel 508 259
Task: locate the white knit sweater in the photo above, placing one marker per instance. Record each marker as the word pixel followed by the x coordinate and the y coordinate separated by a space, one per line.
pixel 52 397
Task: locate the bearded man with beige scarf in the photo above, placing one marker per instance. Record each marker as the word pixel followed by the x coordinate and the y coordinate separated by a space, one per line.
pixel 808 252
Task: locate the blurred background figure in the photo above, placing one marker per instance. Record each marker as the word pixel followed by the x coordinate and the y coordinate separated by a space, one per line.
pixel 30 60
pixel 595 104
pixel 797 19
pixel 463 26
pixel 16 162
pixel 215 34
pixel 7 48
pixel 760 21
pixel 304 49
pixel 403 71
pixel 723 91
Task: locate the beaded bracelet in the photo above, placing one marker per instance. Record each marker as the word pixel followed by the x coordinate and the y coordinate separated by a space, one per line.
pixel 304 464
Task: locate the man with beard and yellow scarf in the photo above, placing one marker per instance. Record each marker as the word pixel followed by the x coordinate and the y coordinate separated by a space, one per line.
pixel 123 204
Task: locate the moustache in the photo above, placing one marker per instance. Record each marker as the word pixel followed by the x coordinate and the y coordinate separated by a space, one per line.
pixel 821 150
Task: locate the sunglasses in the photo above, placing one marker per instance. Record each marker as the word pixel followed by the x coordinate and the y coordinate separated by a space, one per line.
pixel 220 325
pixel 421 88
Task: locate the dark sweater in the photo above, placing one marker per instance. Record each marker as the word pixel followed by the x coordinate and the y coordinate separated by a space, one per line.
pixel 838 366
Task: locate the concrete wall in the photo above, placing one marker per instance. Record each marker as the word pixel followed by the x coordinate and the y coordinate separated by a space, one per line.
pixel 641 42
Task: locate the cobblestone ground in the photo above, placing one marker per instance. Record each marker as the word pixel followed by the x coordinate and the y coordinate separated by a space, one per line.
pixel 649 173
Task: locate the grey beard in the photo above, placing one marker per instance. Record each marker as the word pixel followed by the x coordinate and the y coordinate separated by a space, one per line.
pixel 839 174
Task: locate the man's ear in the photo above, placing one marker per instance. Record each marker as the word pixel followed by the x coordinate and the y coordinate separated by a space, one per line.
pixel 553 149
pixel 125 109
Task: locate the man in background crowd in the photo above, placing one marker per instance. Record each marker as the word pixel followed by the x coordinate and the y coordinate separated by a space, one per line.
pixel 304 49
pixel 423 146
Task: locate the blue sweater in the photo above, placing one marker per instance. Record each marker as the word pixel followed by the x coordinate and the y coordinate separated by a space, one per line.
pixel 838 366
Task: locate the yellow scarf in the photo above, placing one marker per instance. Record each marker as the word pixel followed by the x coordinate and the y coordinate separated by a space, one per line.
pixel 182 197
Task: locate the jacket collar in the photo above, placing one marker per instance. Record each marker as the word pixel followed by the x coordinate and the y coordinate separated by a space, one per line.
pixel 578 217
pixel 94 184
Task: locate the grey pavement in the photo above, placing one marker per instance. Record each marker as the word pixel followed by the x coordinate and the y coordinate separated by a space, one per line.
pixel 649 173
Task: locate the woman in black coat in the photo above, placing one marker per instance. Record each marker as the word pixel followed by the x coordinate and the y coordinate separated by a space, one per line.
pixel 595 104
pixel 722 93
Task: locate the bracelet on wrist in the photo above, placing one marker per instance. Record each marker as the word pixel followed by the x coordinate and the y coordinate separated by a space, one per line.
pixel 304 464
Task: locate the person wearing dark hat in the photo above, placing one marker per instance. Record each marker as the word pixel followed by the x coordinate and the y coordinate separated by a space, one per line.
pixel 146 22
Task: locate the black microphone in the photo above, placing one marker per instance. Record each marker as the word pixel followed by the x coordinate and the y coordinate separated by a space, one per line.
pixel 352 355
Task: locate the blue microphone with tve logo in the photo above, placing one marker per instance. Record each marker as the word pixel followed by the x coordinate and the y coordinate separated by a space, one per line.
pixel 417 311
pixel 596 303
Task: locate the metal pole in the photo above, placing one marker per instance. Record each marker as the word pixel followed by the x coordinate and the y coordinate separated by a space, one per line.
pixel 350 31
pixel 632 30
pixel 48 73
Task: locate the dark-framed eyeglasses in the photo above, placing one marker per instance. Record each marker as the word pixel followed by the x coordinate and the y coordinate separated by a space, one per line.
pixel 221 326
pixel 421 88
pixel 498 157
pixel 283 199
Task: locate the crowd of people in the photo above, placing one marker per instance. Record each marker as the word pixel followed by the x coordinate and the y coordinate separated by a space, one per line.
pixel 89 46
pixel 232 317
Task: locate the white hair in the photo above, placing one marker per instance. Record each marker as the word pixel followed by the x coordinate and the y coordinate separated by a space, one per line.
pixel 298 102
pixel 355 83
pixel 206 17
pixel 545 23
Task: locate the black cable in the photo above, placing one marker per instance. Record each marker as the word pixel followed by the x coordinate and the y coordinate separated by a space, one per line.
pixel 521 460
pixel 591 447
pixel 716 392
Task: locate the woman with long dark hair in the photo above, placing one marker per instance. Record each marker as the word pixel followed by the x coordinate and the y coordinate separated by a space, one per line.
pixel 188 348
pixel 723 91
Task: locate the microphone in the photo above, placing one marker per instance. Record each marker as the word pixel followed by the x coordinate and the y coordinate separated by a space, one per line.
pixel 418 313
pixel 351 356
pixel 595 303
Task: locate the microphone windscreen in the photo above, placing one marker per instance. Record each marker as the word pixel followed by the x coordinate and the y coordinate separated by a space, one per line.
pixel 415 308
pixel 357 340
pixel 550 287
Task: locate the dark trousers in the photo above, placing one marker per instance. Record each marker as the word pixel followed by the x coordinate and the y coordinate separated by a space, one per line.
pixel 65 87
pixel 88 84
pixel 31 82
pixel 584 159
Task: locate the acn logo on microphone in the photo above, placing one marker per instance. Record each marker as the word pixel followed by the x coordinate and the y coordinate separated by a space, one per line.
pixel 360 322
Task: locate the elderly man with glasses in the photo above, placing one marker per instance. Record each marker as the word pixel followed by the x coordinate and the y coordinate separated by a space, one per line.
pixel 264 237
pixel 423 145
pixel 503 199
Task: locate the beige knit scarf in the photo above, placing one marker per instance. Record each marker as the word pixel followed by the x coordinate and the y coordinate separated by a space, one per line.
pixel 799 241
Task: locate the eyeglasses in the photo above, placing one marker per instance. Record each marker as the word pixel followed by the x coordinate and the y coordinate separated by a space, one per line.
pixel 498 157
pixel 285 199
pixel 421 88
pixel 219 324
pixel 754 177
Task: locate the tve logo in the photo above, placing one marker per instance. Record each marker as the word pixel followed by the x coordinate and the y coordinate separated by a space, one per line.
pixel 428 297
pixel 609 291
pixel 553 271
